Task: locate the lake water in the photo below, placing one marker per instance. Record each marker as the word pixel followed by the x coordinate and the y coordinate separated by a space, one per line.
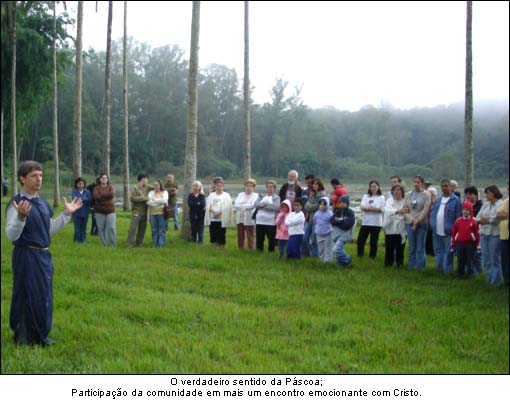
pixel 356 191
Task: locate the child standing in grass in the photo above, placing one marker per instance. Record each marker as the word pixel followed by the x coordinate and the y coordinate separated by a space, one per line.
pixel 343 221
pixel 465 240
pixel 296 223
pixel 282 231
pixel 323 230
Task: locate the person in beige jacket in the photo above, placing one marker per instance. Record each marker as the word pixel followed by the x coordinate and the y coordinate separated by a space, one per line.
pixel 138 199
pixel 157 199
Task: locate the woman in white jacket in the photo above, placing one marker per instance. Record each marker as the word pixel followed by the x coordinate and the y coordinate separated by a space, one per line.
pixel 394 226
pixel 157 199
pixel 219 214
pixel 244 206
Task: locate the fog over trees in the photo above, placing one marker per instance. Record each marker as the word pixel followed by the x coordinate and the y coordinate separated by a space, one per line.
pixel 373 142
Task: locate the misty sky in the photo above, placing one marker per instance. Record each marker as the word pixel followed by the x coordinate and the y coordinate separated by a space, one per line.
pixel 345 54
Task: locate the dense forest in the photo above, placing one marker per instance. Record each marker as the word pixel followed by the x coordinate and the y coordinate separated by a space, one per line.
pixel 286 133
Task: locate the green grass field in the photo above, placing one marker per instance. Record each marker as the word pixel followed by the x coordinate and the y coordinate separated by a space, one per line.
pixel 193 309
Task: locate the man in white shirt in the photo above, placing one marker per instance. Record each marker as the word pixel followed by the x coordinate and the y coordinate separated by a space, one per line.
pixel 445 210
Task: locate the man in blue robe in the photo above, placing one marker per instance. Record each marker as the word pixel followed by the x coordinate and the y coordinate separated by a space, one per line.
pixel 29 227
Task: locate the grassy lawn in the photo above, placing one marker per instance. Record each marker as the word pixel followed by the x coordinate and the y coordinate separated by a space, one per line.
pixel 194 309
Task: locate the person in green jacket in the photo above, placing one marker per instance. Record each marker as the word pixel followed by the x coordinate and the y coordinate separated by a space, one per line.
pixel 138 198
pixel 173 188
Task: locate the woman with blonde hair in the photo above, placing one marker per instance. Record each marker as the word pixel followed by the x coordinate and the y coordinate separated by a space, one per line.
pixel 219 215
pixel 197 203
pixel 158 198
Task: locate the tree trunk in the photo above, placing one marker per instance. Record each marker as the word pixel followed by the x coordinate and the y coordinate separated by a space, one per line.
pixel 246 97
pixel 56 190
pixel 127 205
pixel 468 110
pixel 190 159
pixel 77 163
pixel 2 142
pixel 12 25
pixel 107 94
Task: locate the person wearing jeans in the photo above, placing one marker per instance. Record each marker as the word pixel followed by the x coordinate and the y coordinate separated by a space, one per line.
pixel 81 217
pixel 172 188
pixel 157 199
pixel 416 207
pixel 343 221
pixel 445 211
pixel 312 206
pixel 489 231
pixel 502 215
pixel 104 205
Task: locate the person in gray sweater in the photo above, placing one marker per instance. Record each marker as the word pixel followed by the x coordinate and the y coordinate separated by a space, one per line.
pixel 416 207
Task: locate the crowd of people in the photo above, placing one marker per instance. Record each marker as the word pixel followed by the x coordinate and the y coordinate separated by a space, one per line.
pixel 310 222
pixel 301 221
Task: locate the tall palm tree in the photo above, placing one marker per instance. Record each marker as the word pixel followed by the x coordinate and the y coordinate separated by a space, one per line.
pixel 11 11
pixel 56 189
pixel 77 163
pixel 2 173
pixel 127 205
pixel 190 159
pixel 246 95
pixel 107 93
pixel 468 108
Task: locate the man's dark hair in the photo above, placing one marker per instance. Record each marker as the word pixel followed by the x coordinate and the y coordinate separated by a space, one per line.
pixel 471 190
pixel 141 176
pixel 79 179
pixel 309 177
pixel 26 167
pixel 335 181
pixel 420 178
pixel 299 201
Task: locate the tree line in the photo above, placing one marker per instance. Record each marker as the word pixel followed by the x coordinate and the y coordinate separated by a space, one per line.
pixel 285 132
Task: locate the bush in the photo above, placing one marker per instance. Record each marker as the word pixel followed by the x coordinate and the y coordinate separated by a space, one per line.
pixel 212 166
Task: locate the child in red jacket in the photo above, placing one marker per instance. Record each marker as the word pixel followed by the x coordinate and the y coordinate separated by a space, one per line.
pixel 465 239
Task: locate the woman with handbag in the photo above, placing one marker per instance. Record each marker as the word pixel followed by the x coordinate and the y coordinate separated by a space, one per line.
pixel 158 198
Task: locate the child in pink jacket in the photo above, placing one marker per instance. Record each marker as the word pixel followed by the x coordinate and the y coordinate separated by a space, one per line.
pixel 282 230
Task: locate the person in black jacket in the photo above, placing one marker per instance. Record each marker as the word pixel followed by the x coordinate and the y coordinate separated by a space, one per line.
pixel 196 203
pixel 471 194
pixel 343 221
pixel 291 190
pixel 90 188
